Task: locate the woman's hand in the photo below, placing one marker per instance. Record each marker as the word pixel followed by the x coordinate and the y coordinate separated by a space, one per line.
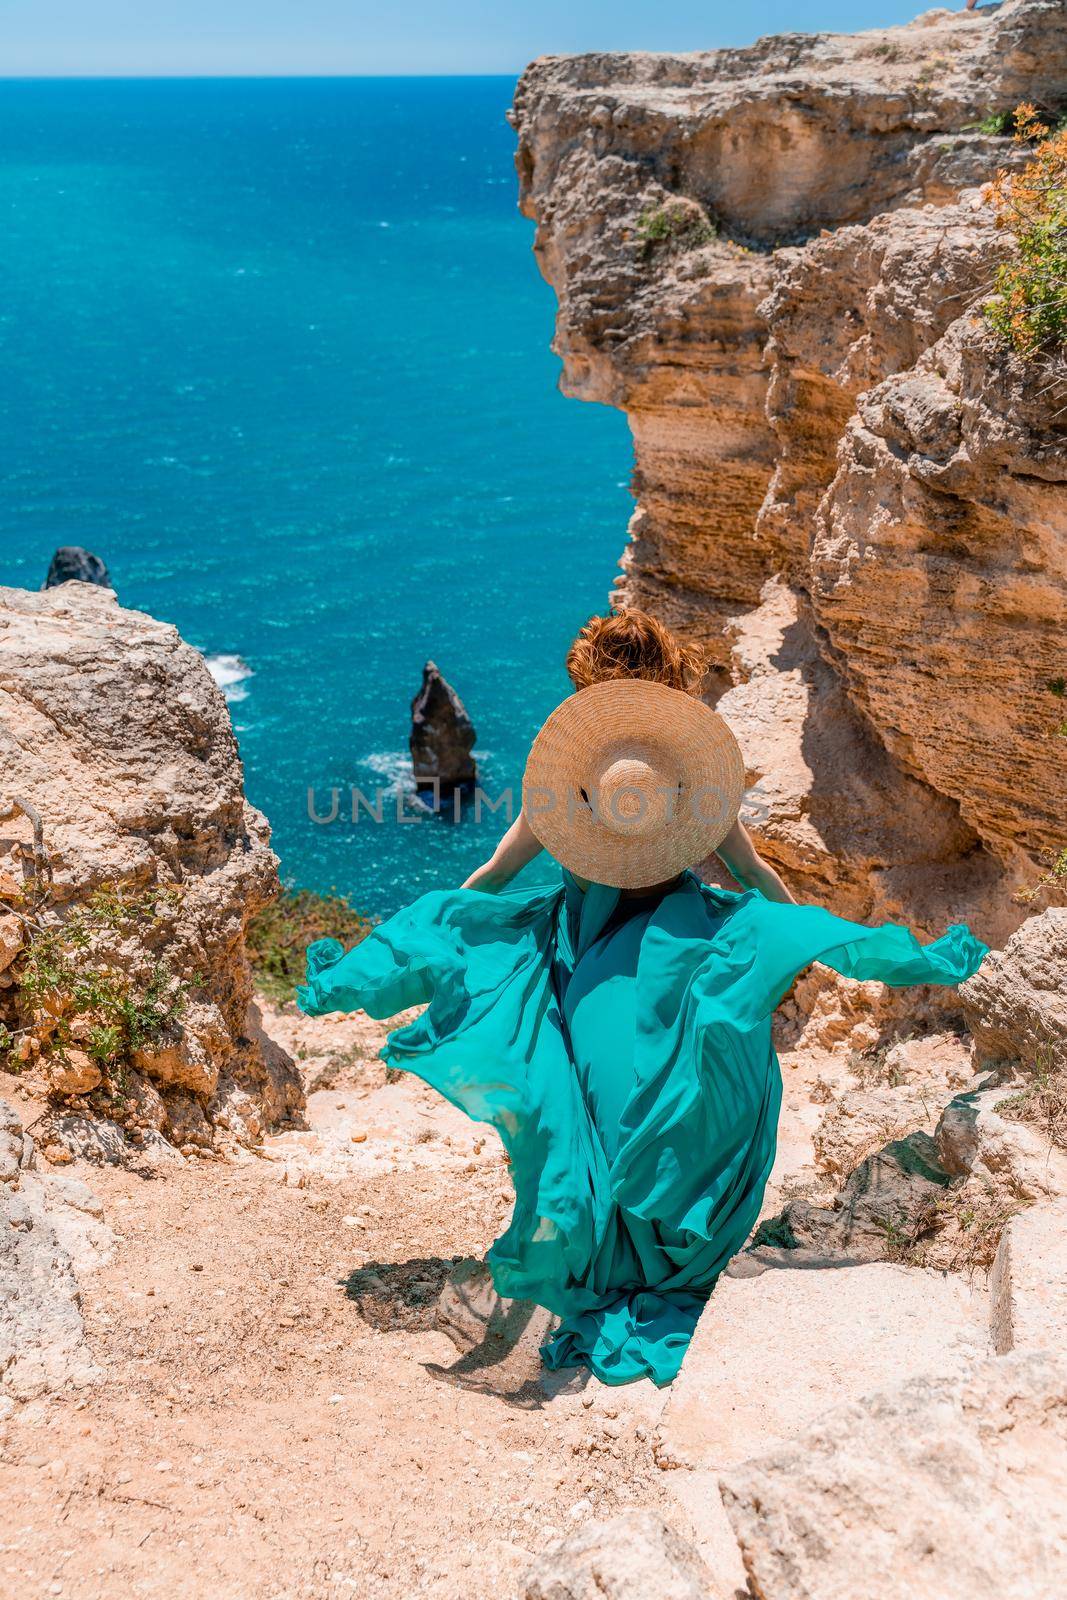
pixel 741 858
pixel 516 849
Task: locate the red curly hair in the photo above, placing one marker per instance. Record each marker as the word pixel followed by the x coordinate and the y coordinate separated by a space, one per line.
pixel 631 644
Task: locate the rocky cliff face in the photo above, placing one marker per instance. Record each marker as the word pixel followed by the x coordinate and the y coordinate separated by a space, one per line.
pixel 130 862
pixel 772 260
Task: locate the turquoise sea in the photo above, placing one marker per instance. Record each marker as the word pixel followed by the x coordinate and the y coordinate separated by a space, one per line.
pixel 278 351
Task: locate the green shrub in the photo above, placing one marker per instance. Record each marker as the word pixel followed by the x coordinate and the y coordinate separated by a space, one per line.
pixel 279 935
pixel 999 123
pixel 1030 304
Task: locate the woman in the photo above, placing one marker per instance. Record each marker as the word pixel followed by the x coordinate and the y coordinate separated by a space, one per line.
pixel 615 1029
pixel 631 645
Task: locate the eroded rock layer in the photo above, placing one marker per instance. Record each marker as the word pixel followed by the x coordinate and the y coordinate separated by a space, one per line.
pixel 774 261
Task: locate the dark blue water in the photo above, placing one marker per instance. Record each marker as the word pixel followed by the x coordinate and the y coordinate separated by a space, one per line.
pixel 278 351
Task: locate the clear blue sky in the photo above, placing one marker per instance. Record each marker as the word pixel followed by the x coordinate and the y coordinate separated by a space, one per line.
pixel 179 37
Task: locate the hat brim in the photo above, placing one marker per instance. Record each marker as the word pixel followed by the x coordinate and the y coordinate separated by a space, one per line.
pixel 671 731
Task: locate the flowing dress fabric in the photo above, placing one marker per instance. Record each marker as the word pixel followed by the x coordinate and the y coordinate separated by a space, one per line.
pixel 621 1048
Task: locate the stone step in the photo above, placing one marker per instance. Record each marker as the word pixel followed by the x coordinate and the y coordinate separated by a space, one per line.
pixel 773 1354
pixel 1029 1281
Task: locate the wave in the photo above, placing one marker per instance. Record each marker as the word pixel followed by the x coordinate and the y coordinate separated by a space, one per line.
pixel 393 767
pixel 230 673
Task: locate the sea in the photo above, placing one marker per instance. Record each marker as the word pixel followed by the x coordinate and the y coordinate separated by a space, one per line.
pixel 278 351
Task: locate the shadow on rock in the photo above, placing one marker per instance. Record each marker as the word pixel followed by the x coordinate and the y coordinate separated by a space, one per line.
pixel 498 1340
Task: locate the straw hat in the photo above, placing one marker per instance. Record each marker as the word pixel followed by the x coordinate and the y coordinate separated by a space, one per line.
pixel 630 782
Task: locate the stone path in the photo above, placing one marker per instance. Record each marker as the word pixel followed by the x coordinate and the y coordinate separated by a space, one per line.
pixel 309 1389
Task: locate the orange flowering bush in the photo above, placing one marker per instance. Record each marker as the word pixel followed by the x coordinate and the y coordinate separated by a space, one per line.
pixel 1030 308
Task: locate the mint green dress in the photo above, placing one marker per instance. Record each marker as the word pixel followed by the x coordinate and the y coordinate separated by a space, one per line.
pixel 621 1048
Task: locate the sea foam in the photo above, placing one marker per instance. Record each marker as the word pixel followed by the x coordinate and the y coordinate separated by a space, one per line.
pixel 230 673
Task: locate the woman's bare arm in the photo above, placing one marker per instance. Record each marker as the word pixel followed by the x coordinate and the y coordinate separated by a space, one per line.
pixel 740 856
pixel 515 850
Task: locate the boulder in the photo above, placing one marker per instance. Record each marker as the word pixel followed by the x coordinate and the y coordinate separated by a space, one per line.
pixel 442 736
pixel 1016 1003
pixel 938 1200
pixel 72 564
pixel 11 939
pixel 123 791
pixel 81 1135
pixel 952 1486
pixel 976 1138
pixel 190 1053
pixel 42 1338
pixel 860 1122
pixel 634 1556
pixel 73 1072
pixel 886 1206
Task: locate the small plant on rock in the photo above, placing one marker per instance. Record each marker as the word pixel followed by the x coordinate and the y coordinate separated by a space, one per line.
pixel 75 993
pixel 673 229
pixel 1055 878
pixel 1043 1102
pixel 970 1220
pixel 997 124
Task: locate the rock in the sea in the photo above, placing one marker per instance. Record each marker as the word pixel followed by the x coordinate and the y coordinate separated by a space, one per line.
pixel 442 736
pixel 633 1556
pixel 42 1338
pixel 124 792
pixel 72 564
pixel 948 1486
pixel 1016 1003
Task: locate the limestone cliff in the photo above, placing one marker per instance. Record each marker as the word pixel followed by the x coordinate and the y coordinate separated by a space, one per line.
pixel 772 259
pixel 130 862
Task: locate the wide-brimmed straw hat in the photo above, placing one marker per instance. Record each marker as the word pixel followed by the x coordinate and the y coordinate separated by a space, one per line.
pixel 629 782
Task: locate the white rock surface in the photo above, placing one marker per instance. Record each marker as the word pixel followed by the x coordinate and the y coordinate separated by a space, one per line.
pixel 635 1556
pixel 1028 1309
pixel 44 1221
pixel 949 1487
pixel 773 1353
pixel 1016 1004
